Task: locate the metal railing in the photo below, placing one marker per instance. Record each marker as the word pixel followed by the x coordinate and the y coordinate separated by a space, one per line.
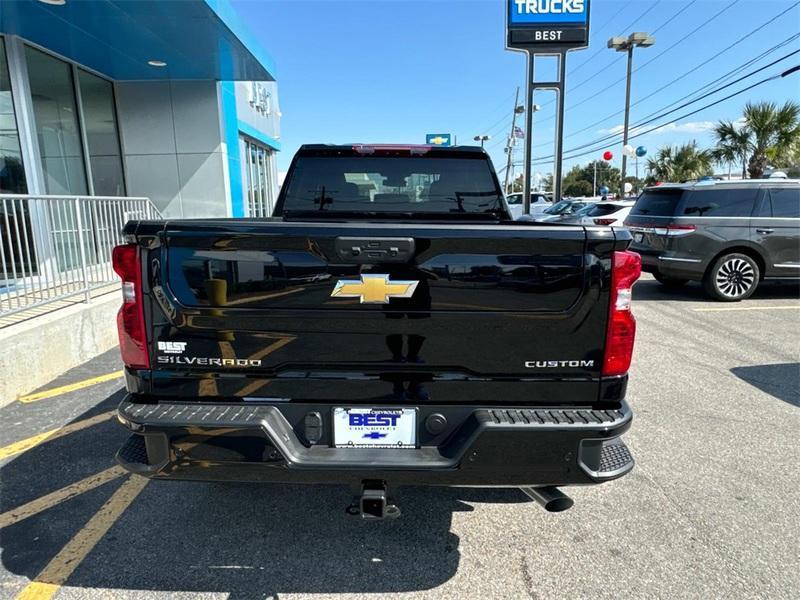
pixel 56 247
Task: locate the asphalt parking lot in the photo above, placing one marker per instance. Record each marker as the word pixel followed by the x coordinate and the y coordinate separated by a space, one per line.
pixel 712 509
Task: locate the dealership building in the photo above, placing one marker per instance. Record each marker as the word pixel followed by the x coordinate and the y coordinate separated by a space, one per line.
pixel 172 100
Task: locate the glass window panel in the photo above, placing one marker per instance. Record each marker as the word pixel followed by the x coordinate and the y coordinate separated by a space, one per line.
pixel 12 173
pixel 56 117
pixel 721 203
pixel 785 202
pixel 102 136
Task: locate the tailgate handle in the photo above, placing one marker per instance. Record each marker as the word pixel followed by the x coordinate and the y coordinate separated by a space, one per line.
pixel 368 250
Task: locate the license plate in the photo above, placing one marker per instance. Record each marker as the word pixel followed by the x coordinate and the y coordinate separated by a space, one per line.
pixel 375 427
pixel 638 237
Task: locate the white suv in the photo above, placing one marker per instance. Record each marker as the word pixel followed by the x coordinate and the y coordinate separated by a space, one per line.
pixel 610 213
pixel 539 202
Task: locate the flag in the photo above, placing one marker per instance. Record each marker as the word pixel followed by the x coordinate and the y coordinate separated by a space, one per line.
pixel 518 133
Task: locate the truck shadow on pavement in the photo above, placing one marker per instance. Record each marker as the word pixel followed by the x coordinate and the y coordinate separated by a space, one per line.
pixel 648 289
pixel 780 380
pixel 247 540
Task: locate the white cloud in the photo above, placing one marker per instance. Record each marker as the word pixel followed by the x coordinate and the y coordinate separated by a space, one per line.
pixel 688 127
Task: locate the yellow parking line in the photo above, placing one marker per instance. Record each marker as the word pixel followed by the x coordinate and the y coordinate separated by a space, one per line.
pixel 727 308
pixel 55 574
pixel 50 500
pixel 35 440
pixel 276 345
pixel 71 387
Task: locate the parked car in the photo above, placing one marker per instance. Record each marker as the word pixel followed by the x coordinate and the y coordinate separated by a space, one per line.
pixel 608 213
pixel 539 203
pixel 563 209
pixel 729 235
pixel 576 218
pixel 406 364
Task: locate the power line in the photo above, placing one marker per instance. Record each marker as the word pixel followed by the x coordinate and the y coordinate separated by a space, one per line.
pixel 680 41
pixel 611 138
pixel 601 50
pixel 689 114
pixel 600 28
pixel 690 71
pixel 647 120
pixel 685 74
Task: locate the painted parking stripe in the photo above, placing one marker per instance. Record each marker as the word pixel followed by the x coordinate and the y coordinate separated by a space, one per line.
pixel 731 308
pixel 55 574
pixel 41 504
pixel 35 440
pixel 71 387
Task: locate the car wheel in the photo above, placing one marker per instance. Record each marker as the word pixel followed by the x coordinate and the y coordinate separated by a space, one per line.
pixel 732 277
pixel 670 282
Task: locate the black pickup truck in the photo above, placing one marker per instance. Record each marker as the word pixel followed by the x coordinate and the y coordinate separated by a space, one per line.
pixel 390 326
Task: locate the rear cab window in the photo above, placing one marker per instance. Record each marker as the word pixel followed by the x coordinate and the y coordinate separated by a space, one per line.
pixel 391 182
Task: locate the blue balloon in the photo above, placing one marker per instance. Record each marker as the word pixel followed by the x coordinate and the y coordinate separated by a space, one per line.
pixel 641 151
pixel 604 190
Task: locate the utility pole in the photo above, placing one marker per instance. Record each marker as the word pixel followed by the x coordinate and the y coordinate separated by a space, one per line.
pixel 594 183
pixel 510 144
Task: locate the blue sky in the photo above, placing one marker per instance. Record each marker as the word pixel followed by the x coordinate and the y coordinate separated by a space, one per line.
pixel 394 70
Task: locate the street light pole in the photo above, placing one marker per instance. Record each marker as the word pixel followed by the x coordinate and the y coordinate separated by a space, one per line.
pixel 627 120
pixel 621 44
pixel 482 139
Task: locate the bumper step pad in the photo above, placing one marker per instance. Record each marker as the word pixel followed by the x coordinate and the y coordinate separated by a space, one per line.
pixel 615 456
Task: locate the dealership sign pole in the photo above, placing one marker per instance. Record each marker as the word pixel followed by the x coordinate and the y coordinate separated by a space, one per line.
pixel 546 28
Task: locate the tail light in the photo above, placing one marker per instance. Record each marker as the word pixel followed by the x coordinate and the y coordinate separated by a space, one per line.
pixel 625 270
pixel 130 319
pixel 674 230
pixel 604 221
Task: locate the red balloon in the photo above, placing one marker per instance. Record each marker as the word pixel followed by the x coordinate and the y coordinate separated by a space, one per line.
pixel 607 155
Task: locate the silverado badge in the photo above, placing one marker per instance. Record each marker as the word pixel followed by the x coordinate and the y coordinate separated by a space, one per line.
pixel 374 289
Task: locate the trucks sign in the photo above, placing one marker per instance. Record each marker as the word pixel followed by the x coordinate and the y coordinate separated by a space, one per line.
pixel 547 25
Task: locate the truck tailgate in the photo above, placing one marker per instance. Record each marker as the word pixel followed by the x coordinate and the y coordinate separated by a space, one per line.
pixel 356 312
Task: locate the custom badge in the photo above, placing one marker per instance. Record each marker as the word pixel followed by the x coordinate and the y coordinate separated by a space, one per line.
pixel 374 289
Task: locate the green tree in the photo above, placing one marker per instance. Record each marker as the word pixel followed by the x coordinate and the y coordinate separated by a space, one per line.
pixel 770 134
pixel 774 134
pixel 733 145
pixel 579 174
pixel 577 188
pixel 680 163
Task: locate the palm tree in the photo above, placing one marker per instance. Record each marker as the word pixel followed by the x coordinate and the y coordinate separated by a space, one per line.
pixel 733 145
pixel 774 134
pixel 680 163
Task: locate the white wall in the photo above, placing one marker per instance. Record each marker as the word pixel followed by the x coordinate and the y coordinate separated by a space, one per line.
pixel 173 147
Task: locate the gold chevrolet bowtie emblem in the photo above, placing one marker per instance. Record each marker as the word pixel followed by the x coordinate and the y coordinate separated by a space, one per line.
pixel 374 289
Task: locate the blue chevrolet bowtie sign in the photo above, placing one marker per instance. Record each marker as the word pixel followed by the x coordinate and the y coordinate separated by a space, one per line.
pixel 550 24
pixel 439 139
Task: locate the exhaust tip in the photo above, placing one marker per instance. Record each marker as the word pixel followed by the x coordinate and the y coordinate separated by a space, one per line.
pixel 550 498
pixel 559 504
